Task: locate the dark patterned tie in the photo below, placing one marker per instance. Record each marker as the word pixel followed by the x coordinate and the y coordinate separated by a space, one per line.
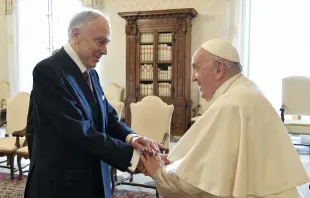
pixel 88 79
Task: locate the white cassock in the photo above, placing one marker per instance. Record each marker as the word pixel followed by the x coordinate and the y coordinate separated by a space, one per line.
pixel 238 148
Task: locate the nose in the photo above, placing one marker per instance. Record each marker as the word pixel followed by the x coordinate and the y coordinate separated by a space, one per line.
pixel 103 50
pixel 194 76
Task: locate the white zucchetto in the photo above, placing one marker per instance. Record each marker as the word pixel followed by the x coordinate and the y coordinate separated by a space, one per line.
pixel 222 48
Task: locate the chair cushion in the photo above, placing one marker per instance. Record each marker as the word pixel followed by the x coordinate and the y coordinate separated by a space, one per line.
pixel 23 150
pixel 297 122
pixel 298 126
pixel 7 144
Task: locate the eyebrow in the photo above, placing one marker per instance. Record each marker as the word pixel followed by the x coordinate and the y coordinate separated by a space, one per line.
pixel 103 39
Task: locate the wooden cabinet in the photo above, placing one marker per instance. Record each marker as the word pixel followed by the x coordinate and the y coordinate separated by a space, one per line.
pixel 158 60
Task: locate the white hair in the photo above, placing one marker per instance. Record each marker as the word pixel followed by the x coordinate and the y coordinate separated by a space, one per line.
pixel 80 19
pixel 229 64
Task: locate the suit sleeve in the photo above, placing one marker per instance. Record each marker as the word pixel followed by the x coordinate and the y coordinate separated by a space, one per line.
pixel 30 127
pixel 51 94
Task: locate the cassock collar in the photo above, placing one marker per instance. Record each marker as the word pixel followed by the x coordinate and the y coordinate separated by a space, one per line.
pixel 223 88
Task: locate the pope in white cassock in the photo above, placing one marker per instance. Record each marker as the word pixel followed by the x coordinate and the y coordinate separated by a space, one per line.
pixel 238 148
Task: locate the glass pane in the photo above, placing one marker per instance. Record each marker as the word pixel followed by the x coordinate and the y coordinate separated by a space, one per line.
pixel 146 37
pixel 164 46
pixel 146 53
pixel 62 14
pixel 33 38
pixel 146 89
pixel 165 37
pixel 164 66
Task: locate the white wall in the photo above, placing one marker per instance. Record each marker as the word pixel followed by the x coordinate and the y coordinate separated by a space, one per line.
pixel 212 22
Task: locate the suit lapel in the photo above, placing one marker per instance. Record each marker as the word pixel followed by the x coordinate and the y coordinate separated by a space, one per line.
pixel 99 95
pixel 79 83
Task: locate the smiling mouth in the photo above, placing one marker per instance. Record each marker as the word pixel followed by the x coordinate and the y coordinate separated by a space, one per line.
pixel 97 57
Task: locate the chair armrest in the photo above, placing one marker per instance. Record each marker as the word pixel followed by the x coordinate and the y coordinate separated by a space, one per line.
pixel 166 137
pixel 2 123
pixel 196 110
pixel 282 109
pixel 20 133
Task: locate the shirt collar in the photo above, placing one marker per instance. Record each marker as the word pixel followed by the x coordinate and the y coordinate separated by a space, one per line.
pixel 75 57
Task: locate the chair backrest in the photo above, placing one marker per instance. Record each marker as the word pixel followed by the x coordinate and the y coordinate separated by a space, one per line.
pixel 118 106
pixel 113 90
pixel 109 97
pixel 4 90
pixel 151 117
pixel 17 112
pixel 296 95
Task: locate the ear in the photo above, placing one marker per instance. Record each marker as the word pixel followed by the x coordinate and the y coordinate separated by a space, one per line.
pixel 76 34
pixel 220 70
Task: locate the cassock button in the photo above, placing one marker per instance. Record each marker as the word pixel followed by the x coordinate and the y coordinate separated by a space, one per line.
pixel 92 122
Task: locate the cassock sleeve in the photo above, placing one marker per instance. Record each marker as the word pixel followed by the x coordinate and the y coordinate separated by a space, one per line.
pixel 169 184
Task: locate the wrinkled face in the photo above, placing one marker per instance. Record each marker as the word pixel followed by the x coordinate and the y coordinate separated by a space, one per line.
pixel 206 73
pixel 91 41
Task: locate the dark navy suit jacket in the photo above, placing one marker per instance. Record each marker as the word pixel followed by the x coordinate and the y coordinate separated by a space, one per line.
pixel 73 134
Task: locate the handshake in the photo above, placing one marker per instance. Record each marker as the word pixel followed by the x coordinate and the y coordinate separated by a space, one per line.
pixel 150 158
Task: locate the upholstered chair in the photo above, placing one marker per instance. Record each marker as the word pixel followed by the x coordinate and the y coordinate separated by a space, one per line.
pixel 296 102
pixel 16 122
pixel 150 117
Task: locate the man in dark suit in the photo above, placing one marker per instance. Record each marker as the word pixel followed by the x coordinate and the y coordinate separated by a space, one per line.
pixel 74 134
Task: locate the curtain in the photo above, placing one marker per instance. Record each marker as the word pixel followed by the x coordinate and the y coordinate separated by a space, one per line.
pixel 239 29
pixel 49 33
pixel 98 4
pixel 269 57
